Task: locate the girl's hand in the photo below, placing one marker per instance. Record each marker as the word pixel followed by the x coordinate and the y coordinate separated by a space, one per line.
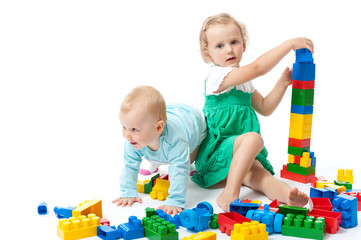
pixel 298 43
pixel 286 77
pixel 170 209
pixel 127 201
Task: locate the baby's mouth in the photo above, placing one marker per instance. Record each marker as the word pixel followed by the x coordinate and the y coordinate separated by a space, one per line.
pixel 231 59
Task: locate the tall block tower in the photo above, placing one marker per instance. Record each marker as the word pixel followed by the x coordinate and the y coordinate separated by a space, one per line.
pixel 301 164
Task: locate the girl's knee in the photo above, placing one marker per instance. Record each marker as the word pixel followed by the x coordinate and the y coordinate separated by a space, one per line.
pixel 254 138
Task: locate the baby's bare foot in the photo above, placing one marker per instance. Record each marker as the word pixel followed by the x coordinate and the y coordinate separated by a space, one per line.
pixel 297 198
pixel 224 200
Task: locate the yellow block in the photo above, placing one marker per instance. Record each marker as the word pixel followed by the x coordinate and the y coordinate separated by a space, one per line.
pixel 249 231
pixel 305 160
pixel 322 184
pixel 160 189
pixel 92 206
pixel 338 188
pixel 346 176
pixel 291 158
pixel 78 227
pixel 202 236
pixel 140 185
pixel 300 126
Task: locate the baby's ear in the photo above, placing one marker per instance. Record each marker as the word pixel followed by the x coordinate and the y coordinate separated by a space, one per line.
pixel 244 47
pixel 160 126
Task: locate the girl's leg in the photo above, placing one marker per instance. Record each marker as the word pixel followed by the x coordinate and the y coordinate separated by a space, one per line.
pixel 258 178
pixel 245 149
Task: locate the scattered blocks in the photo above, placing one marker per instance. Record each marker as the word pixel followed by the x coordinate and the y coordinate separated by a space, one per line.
pixel 202 236
pixel 332 219
pixel 321 203
pixel 64 212
pixel 345 175
pixel 132 229
pixel 302 227
pixel 78 227
pixel 106 232
pixel 92 206
pixel 347 205
pixel 227 221
pixel 241 207
pixel 249 231
pixel 141 184
pixel 272 220
pixel 329 193
pixel 43 208
pixel 197 219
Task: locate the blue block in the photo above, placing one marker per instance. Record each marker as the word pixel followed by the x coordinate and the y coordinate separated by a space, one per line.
pixel 242 208
pixel 304 55
pixel 347 205
pixel 301 109
pixel 329 193
pixel 43 208
pixel 64 212
pixel 272 220
pixel 132 229
pixel 108 233
pixel 303 71
pixel 197 219
pixel 173 220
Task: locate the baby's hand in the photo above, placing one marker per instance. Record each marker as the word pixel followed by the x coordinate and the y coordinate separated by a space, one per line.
pixel 298 43
pixel 127 201
pixel 286 77
pixel 170 209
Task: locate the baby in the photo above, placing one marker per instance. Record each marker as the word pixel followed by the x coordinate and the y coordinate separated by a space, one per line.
pixel 165 134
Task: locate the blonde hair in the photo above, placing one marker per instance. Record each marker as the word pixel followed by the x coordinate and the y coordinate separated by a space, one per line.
pixel 148 98
pixel 222 18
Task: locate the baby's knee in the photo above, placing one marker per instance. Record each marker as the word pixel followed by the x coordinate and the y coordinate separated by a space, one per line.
pixel 255 139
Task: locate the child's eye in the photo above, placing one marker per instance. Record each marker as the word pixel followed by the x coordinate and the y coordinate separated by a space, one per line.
pixel 219 45
pixel 135 130
pixel 234 42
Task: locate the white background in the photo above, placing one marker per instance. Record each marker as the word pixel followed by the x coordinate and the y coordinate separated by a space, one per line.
pixel 66 65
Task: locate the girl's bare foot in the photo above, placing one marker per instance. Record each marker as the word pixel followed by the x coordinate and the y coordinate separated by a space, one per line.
pixel 297 198
pixel 225 199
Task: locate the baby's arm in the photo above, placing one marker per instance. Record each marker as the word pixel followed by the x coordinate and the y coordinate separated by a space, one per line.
pixel 266 106
pixel 179 168
pixel 264 63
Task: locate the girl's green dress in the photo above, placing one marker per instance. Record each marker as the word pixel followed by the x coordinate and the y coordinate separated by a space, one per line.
pixel 228 115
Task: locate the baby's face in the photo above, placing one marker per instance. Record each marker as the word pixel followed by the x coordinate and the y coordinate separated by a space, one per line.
pixel 225 45
pixel 139 128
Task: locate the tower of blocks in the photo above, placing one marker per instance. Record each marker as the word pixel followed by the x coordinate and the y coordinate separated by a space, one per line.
pixel 301 164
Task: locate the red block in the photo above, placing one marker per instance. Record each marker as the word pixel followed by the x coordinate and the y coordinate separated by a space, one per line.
pixel 321 203
pixel 300 143
pixel 332 219
pixel 358 196
pixel 303 84
pixel 227 220
pixel 295 176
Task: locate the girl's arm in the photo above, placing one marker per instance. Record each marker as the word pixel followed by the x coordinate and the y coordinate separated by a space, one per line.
pixel 264 63
pixel 266 106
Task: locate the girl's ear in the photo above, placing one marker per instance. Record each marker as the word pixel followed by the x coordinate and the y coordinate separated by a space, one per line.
pixel 160 127
pixel 244 46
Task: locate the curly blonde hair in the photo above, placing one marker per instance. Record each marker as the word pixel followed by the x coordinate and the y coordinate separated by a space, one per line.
pixel 222 18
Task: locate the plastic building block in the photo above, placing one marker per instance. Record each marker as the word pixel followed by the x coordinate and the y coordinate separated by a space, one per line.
pixel 227 221
pixel 302 97
pixel 301 109
pixel 202 236
pixel 295 168
pixel 347 185
pixel 141 184
pixel 156 228
pixel 241 207
pixel 273 206
pixel 296 150
pixel 149 185
pixel 347 205
pixel 197 219
pixel 64 212
pixel 160 189
pixel 43 208
pixel 303 72
pixel 78 227
pixel 132 229
pixel 294 176
pixel 150 212
pixel 304 55
pixel 249 231
pixel 285 209
pixel 338 188
pixel 174 220
pixel 92 206
pixel 302 227
pixel 323 193
pixel 303 84
pixel 332 219
pixel 272 220
pixel 106 232
pixel 346 176
pixel 358 196
pixel 214 222
pixel 320 203
pixel 104 221
pixel 300 143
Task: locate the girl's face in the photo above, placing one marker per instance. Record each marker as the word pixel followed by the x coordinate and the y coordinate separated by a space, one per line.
pixel 225 45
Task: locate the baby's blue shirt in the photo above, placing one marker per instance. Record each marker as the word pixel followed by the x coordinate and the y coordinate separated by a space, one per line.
pixel 180 137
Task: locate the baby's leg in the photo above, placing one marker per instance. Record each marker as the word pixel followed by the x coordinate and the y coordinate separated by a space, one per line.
pixel 261 180
pixel 245 149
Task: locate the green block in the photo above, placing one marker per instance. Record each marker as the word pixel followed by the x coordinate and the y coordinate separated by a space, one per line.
pixel 302 97
pixel 304 227
pixel 149 185
pixel 285 209
pixel 214 222
pixel 347 185
pixel 156 228
pixel 296 150
pixel 295 168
